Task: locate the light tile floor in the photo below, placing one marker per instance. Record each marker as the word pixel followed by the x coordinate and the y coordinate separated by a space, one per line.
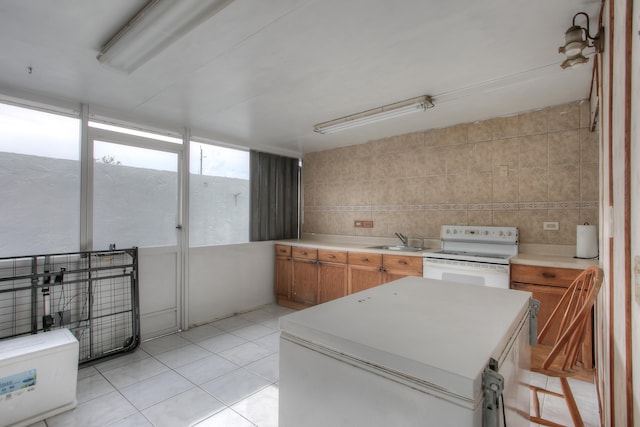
pixel 222 374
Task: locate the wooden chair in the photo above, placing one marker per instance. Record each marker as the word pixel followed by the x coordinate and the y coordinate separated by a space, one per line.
pixel 572 314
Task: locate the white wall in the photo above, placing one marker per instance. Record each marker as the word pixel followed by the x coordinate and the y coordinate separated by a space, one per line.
pixel 229 279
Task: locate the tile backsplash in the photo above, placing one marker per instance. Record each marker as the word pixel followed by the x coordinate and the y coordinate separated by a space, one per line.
pixel 520 170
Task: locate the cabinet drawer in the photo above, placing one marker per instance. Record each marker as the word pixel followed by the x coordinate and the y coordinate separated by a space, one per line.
pixel 362 258
pixel 328 255
pixel 402 263
pixel 304 253
pixel 551 276
pixel 283 250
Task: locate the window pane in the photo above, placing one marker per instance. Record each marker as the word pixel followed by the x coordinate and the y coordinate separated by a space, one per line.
pixel 219 195
pixel 135 196
pixel 40 182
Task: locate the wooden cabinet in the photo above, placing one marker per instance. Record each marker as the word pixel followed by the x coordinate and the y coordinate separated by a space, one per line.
pixel 398 266
pixel 307 276
pixel 332 275
pixel 283 273
pixel 295 276
pixel 304 284
pixel 365 271
pixel 548 284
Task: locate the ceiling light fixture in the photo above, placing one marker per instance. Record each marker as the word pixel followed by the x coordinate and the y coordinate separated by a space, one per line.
pixel 409 106
pixel 157 25
pixel 576 40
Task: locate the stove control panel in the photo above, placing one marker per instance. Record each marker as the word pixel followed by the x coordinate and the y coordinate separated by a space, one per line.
pixel 472 233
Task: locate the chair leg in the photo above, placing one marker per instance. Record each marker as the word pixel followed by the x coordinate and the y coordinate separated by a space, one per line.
pixel 536 401
pixel 537 417
pixel 571 403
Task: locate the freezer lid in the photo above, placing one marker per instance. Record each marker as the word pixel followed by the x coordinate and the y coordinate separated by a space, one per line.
pixel 441 334
pixel 31 344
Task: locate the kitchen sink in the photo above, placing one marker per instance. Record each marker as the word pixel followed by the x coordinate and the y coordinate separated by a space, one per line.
pixel 397 248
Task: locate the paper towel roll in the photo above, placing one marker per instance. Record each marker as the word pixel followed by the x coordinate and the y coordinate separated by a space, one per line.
pixel 586 241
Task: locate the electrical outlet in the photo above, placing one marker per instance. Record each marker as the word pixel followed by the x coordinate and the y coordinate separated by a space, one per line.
pixel 363 223
pixel 551 225
pixel 504 170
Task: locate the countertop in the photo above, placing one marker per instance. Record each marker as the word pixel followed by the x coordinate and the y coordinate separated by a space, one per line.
pixel 553 261
pixel 352 246
pixel 540 255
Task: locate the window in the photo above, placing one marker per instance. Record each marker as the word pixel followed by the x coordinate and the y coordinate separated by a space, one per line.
pixel 135 196
pixel 219 195
pixel 133 192
pixel 40 182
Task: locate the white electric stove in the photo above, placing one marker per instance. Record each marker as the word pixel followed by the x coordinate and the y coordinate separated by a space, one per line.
pixel 473 254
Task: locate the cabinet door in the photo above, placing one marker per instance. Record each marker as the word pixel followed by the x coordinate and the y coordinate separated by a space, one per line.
pixel 305 281
pixel 284 277
pixel 549 296
pixel 399 266
pixel 332 281
pixel 364 277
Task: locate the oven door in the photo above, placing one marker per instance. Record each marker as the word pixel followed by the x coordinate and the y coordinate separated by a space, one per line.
pixel 474 273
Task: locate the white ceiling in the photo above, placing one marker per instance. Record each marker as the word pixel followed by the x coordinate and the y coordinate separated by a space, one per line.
pixel 262 73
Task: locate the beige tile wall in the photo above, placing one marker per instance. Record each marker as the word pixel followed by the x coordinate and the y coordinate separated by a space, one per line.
pixel 416 182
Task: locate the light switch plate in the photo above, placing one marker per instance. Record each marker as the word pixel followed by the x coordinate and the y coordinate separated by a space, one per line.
pixel 551 225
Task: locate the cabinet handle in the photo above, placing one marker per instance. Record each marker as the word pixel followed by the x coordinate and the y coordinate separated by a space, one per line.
pixel 332 256
pixel 548 275
pixel 402 262
pixel 364 259
pixel 303 253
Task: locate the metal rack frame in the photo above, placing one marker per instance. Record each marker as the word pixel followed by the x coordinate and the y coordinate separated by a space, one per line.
pixel 94 294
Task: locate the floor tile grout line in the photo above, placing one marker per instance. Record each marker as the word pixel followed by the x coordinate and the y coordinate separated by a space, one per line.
pixel 245 397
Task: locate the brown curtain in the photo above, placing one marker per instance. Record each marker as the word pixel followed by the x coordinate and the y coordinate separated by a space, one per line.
pixel 274 196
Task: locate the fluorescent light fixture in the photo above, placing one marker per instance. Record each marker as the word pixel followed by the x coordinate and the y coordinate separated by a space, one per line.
pixel 409 106
pixel 157 25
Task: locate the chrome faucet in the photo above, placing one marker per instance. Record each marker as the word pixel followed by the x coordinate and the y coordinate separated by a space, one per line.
pixel 404 239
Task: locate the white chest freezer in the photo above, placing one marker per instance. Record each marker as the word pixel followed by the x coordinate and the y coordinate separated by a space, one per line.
pixel 38 375
pixel 414 352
